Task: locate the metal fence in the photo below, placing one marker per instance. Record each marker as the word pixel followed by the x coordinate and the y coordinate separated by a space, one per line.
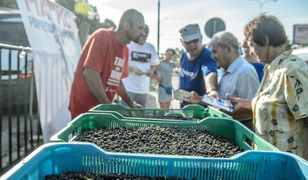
pixel 19 119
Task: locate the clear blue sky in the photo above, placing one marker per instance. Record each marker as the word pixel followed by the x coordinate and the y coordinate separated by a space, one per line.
pixel 175 14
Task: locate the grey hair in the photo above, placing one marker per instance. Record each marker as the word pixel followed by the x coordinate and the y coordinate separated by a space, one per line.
pixel 225 38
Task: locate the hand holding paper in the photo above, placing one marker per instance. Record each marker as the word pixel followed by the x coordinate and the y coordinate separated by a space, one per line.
pixel 219 103
pixel 182 95
pixel 137 71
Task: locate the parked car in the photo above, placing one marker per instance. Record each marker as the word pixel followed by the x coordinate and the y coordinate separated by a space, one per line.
pixel 12 30
pixel 14 61
pixel 16 83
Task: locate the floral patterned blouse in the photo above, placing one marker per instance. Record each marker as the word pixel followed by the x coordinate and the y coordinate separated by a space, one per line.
pixel 281 102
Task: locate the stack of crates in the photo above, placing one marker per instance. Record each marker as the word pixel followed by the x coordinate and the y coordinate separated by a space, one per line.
pixel 59 158
pixel 66 155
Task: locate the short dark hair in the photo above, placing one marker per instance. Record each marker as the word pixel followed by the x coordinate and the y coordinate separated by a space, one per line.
pixel 172 50
pixel 129 16
pixel 263 27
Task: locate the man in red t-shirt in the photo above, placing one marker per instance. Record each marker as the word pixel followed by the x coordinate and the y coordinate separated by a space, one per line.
pixel 102 66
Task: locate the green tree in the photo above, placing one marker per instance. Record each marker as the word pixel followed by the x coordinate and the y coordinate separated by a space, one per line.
pixel 87 18
pixel 9 4
pixel 108 23
pixel 178 56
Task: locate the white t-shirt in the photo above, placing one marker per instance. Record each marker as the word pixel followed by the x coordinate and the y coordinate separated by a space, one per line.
pixel 142 57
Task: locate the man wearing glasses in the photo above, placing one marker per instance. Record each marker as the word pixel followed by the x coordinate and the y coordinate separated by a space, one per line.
pixel 198 70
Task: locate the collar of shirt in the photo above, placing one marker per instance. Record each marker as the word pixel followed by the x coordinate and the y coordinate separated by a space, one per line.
pixel 165 61
pixel 234 65
pixel 277 61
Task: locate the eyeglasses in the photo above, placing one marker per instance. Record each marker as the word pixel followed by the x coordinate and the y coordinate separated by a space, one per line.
pixel 214 51
pixel 192 41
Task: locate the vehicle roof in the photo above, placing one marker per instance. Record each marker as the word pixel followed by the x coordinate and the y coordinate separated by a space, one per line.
pixel 303 50
pixel 302 53
pixel 9 15
pixel 5 10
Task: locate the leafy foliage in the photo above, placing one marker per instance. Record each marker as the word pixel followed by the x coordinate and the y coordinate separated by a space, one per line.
pixel 9 4
pixel 91 19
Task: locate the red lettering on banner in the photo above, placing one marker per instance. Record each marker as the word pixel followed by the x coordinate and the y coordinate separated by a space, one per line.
pixel 35 3
pixel 47 10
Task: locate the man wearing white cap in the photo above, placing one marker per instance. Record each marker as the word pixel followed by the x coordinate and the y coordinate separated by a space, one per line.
pixel 198 70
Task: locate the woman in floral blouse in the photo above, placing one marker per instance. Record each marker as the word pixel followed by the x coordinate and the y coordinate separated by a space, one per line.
pixel 280 107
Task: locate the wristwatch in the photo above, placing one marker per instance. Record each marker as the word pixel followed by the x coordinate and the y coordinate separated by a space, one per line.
pixel 207 92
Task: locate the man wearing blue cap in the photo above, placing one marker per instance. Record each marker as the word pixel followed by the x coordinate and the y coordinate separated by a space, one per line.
pixel 198 70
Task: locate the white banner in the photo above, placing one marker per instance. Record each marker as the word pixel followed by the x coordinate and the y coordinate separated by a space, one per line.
pixel 53 36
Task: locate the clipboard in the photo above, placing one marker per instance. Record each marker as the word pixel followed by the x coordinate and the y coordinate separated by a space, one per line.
pixel 219 103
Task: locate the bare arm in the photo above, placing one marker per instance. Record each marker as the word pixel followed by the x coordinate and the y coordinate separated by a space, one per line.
pixel 211 81
pixel 152 70
pixel 241 114
pixel 96 86
pixel 211 84
pixel 135 70
pixel 124 96
pixel 240 103
pixel 176 64
pixel 157 75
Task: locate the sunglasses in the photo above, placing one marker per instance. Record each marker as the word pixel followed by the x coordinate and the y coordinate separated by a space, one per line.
pixel 192 41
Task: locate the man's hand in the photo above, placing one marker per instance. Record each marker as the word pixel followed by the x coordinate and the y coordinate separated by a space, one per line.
pixel 122 92
pixel 159 78
pixel 195 98
pixel 135 105
pixel 135 71
pixel 239 103
pixel 138 72
pixel 214 94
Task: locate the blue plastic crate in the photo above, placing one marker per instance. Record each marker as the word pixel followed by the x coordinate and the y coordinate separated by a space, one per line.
pixel 58 158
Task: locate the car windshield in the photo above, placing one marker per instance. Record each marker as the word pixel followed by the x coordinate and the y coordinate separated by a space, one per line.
pixel 12 31
pixel 13 61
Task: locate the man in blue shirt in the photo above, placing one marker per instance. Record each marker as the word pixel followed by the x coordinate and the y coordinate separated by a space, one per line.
pixel 198 70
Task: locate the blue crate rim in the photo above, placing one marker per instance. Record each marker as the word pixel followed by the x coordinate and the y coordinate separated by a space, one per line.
pixel 241 157
pixel 155 156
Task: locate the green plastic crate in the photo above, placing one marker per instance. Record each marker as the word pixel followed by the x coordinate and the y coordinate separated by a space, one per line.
pixel 189 111
pixel 228 128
